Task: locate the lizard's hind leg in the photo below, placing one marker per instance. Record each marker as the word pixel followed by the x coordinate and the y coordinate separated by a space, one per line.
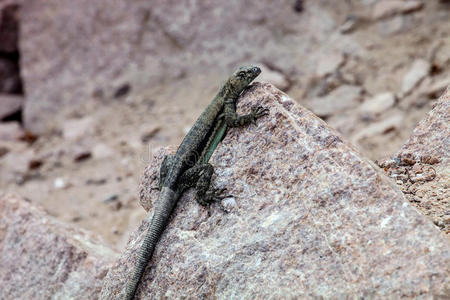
pixel 200 177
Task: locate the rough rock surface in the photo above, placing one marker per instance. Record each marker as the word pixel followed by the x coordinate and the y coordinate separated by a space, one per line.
pixel 309 218
pixel 421 167
pixel 42 258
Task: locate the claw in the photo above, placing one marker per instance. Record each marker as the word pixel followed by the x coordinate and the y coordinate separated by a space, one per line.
pixel 218 195
pixel 222 190
pixel 259 111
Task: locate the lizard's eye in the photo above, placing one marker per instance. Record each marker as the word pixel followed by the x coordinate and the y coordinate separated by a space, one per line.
pixel 255 69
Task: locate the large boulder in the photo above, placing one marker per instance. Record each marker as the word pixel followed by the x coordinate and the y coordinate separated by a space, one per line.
pixel 42 258
pixel 421 166
pixel 309 217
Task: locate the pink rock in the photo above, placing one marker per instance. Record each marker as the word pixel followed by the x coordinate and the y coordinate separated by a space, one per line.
pixel 423 164
pixel 309 218
pixel 43 258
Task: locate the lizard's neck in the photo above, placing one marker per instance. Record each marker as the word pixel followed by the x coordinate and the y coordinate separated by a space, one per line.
pixel 229 92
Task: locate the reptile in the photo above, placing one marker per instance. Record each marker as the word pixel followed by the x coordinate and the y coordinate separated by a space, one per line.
pixel 189 166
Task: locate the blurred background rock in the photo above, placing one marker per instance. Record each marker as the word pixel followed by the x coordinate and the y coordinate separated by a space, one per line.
pixel 89 89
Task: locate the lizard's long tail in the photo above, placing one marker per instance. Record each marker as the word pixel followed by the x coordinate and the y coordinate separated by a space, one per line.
pixel 163 209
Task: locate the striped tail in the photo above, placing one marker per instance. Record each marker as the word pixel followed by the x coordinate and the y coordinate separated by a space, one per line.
pixel 163 209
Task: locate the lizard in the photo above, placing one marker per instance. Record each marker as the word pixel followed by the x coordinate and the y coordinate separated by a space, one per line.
pixel 189 166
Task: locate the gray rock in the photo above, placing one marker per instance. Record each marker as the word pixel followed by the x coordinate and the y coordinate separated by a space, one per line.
pixel 10 131
pixel 391 26
pixel 329 63
pixel 387 8
pixel 146 43
pixel 276 78
pixel 438 87
pixel 342 98
pixel 345 123
pixel 385 125
pixel 42 258
pixel 423 163
pixel 378 104
pixel 10 104
pixel 441 55
pixel 311 218
pixel 16 163
pixel 76 128
pixel 351 23
pixel 102 151
pixel 417 72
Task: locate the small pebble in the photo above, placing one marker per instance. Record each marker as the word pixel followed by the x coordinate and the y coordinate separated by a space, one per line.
pixel 59 183
pixel 111 199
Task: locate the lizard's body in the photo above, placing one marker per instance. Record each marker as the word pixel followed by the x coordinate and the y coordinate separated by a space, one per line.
pixel 189 166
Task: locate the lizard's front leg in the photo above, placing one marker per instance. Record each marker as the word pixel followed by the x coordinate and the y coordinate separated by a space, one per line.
pixel 199 177
pixel 232 119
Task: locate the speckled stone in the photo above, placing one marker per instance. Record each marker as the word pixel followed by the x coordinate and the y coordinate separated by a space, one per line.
pixel 42 258
pixel 422 164
pixel 309 218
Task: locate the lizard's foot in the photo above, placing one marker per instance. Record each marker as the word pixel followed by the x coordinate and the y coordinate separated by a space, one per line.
pixel 258 112
pixel 212 196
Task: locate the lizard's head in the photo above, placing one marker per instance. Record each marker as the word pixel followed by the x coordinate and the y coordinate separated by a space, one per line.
pixel 243 77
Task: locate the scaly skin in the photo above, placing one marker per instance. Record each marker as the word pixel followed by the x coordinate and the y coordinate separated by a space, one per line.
pixel 189 166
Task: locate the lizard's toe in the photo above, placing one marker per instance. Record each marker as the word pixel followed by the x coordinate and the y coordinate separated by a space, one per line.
pixel 259 111
pixel 213 196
